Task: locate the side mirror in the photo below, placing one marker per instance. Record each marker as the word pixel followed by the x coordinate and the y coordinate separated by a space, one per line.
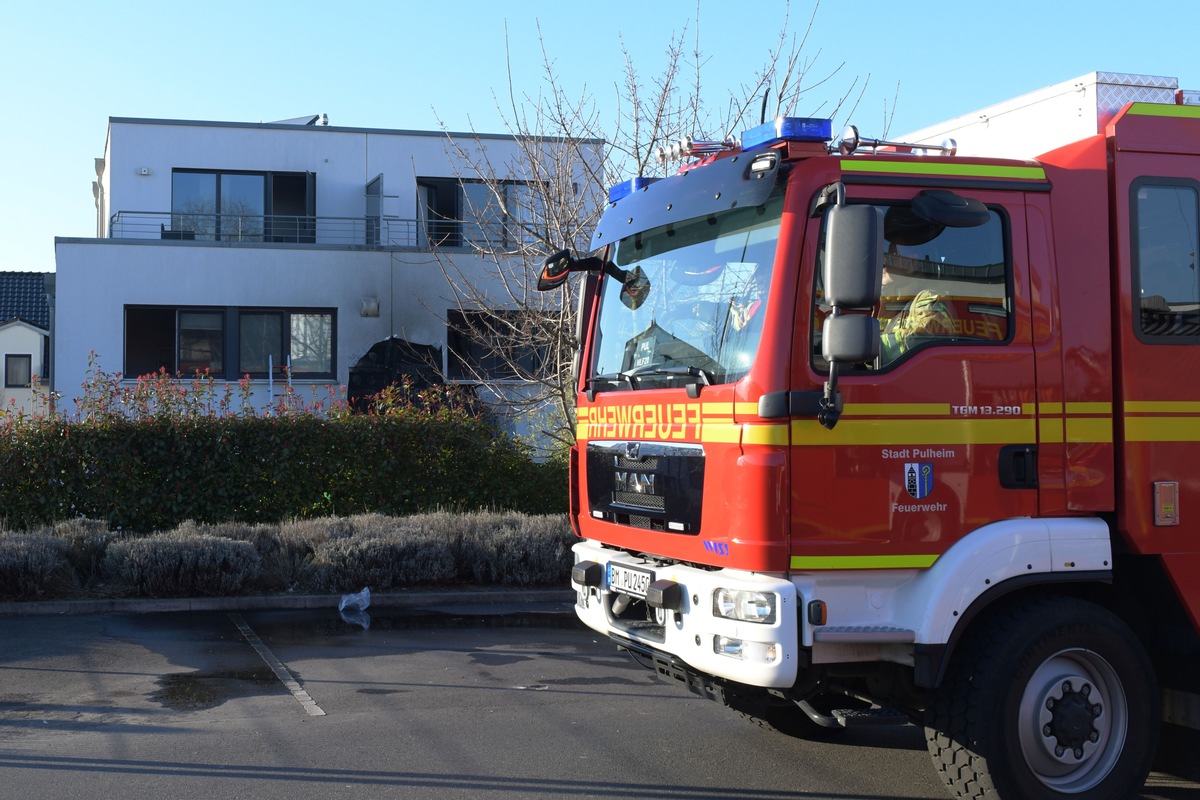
pixel 853 278
pixel 853 256
pixel 555 271
pixel 635 288
pixel 850 338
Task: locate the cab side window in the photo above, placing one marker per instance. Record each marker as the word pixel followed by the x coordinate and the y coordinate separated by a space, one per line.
pixel 941 285
pixel 1167 290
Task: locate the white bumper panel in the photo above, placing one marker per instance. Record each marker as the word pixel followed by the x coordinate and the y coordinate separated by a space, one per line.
pixel 767 651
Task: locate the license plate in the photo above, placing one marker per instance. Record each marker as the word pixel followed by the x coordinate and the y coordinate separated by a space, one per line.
pixel 632 581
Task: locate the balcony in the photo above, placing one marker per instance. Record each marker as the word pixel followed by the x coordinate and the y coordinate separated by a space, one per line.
pixel 359 233
pixel 362 233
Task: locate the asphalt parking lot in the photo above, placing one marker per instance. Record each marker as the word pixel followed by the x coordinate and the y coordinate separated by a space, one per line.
pixel 486 700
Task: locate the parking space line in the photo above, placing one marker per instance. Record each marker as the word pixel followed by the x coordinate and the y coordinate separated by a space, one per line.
pixel 281 672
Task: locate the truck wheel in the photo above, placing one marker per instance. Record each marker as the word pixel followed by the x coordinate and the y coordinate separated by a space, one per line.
pixel 1051 698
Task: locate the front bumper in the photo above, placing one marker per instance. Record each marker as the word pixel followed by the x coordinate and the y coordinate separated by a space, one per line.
pixel 753 653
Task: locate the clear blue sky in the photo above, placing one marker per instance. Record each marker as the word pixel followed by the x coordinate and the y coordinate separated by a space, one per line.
pixel 68 65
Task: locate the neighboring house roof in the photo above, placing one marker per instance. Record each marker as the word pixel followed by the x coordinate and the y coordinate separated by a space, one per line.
pixel 23 297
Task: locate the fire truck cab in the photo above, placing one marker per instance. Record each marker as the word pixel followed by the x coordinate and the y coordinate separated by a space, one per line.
pixel 871 428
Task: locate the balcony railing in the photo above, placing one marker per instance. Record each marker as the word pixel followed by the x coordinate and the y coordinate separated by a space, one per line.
pixel 359 232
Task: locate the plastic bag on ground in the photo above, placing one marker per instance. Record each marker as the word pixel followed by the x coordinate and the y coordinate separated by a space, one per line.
pixel 354 616
pixel 357 601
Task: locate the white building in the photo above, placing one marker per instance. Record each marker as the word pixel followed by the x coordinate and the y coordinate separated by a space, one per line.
pixel 274 249
pixel 24 336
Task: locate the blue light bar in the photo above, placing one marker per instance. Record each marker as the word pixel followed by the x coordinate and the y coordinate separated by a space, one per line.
pixel 788 129
pixel 628 187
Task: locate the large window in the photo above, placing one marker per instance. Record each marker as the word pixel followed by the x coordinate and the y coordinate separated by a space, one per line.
pixel 190 340
pixel 18 371
pixel 463 213
pixel 175 340
pixel 1165 222
pixel 301 341
pixel 493 345
pixel 242 206
pixel 941 286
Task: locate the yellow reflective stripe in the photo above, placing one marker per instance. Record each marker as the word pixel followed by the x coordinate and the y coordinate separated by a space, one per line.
pixel 919 167
pixel 920 561
pixel 927 432
pixel 1089 408
pixel 721 433
pixel 1161 407
pixel 1162 110
pixel 1075 423
pixel 1051 431
pixel 1082 430
pixel 766 435
pixel 1162 429
pixel 897 410
pixel 1171 421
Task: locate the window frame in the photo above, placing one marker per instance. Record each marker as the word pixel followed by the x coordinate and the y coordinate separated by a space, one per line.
pixel 285 314
pixel 441 230
pixel 9 360
pixel 468 356
pixel 275 227
pixel 230 337
pixel 1135 258
pixel 1009 300
pixel 176 312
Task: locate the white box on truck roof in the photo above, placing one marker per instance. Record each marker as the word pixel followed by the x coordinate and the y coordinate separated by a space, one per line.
pixel 1035 123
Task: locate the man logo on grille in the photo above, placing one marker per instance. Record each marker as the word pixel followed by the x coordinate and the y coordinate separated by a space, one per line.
pixel 632 450
pixel 918 478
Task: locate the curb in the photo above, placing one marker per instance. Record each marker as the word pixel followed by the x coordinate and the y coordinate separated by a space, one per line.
pixel 430 600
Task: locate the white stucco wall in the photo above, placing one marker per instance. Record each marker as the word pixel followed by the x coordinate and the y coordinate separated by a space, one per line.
pixel 98 279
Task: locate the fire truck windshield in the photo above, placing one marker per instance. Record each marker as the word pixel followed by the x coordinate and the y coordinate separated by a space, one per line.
pixel 701 295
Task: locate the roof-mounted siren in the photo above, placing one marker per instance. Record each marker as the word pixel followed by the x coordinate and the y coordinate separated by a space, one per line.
pixel 850 142
pixel 688 147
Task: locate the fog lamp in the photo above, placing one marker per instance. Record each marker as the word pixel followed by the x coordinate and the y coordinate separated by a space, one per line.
pixel 727 646
pixel 758 652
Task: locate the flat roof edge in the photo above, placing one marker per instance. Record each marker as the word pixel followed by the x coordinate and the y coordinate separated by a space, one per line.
pixel 278 126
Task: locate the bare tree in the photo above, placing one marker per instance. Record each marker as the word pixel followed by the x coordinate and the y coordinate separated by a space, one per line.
pixel 550 194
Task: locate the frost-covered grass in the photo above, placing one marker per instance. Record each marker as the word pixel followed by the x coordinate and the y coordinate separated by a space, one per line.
pixel 80 558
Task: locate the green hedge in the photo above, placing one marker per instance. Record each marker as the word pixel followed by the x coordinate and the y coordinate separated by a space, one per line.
pixel 153 473
pixel 80 558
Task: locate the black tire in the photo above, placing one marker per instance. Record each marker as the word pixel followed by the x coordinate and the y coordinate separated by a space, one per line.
pixel 1049 698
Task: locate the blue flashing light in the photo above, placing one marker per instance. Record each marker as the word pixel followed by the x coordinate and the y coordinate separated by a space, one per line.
pixel 788 129
pixel 628 187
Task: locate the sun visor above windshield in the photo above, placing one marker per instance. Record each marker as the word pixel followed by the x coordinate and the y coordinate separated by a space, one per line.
pixel 722 185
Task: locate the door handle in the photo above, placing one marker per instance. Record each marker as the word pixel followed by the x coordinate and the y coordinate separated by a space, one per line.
pixel 1018 466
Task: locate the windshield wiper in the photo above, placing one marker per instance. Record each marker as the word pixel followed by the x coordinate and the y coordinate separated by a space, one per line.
pixel 633 376
pixel 689 370
pixel 607 377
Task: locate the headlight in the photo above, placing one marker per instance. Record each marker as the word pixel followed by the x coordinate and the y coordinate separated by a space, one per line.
pixel 745 606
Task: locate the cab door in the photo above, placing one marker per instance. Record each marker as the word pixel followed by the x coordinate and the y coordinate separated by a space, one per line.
pixel 938 436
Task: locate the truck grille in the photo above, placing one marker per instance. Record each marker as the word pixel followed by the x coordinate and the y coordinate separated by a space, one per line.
pixel 646 485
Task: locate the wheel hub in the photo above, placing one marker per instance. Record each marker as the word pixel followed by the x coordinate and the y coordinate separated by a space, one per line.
pixel 1068 720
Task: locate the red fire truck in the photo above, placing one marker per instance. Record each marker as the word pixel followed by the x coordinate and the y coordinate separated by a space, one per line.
pixel 868 429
